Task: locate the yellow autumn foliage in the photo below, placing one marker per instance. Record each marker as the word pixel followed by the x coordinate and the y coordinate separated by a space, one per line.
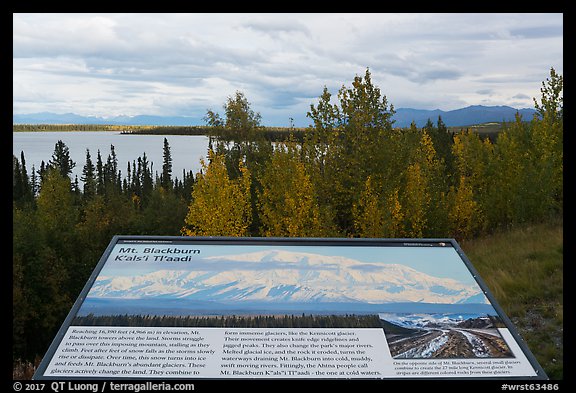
pixel 286 202
pixel 220 206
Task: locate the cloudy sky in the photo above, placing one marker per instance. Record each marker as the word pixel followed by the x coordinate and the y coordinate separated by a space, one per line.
pixel 184 64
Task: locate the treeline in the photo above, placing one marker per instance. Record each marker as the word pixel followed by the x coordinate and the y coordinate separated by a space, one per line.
pixel 168 130
pixel 124 129
pixel 72 127
pixel 233 321
pixel 353 175
pixel 272 134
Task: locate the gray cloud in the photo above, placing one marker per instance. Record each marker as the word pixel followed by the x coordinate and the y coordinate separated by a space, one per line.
pixel 438 74
pixel 535 32
pixel 485 92
pixel 276 29
pixel 160 63
pixel 521 96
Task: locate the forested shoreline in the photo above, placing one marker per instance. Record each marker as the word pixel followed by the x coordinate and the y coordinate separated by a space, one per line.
pixel 273 134
pixel 233 321
pixel 355 175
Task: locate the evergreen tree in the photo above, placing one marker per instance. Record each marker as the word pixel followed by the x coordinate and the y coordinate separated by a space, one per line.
pixel 56 211
pixel 100 186
pixel 41 296
pixel 163 214
pixel 111 174
pixel 17 180
pixel 166 177
pixel 146 180
pixel 186 185
pixel 76 190
pixel 136 186
pixel 112 164
pixel 61 159
pixel 89 177
pixel 28 196
pixel 34 182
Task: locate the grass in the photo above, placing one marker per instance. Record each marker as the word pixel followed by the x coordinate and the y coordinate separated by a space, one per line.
pixel 523 268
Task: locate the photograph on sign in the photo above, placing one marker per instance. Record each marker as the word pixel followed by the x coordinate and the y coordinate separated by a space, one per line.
pixel 204 309
pixel 422 336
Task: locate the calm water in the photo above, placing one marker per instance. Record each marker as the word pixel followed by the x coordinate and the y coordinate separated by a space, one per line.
pixel 186 151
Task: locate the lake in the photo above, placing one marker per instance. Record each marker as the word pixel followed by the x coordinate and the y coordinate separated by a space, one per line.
pixel 186 150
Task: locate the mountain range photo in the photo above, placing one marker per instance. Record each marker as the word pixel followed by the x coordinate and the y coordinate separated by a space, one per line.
pixel 424 336
pixel 279 281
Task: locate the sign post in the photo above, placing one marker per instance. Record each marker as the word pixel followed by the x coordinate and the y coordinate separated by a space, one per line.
pixel 270 308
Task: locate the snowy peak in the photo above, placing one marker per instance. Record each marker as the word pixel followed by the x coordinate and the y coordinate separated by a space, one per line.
pixel 275 256
pixel 285 276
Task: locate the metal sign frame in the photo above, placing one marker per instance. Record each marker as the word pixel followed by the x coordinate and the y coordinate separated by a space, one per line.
pixel 271 241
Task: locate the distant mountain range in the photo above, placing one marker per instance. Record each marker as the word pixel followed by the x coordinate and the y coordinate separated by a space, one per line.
pixel 72 118
pixel 470 115
pixel 475 114
pixel 281 276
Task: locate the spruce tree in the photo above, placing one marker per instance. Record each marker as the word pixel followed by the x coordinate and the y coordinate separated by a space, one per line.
pixel 166 177
pixel 88 177
pixel 61 159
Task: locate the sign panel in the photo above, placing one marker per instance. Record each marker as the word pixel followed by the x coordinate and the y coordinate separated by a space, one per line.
pixel 187 307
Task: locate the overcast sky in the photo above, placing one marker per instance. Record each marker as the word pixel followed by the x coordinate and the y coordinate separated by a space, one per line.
pixel 184 64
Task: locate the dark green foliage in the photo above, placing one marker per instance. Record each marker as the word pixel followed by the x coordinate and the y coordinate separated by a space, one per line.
pixel 21 187
pixel 233 321
pixel 88 177
pixel 551 106
pixel 166 177
pixel 60 230
pixel 61 159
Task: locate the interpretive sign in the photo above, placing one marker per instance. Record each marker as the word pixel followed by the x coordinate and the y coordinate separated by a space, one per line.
pixel 192 307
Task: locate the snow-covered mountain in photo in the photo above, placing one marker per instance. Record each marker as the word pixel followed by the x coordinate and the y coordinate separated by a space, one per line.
pixel 426 320
pixel 287 277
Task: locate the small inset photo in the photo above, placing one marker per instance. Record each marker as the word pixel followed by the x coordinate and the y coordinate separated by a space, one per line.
pixel 444 336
